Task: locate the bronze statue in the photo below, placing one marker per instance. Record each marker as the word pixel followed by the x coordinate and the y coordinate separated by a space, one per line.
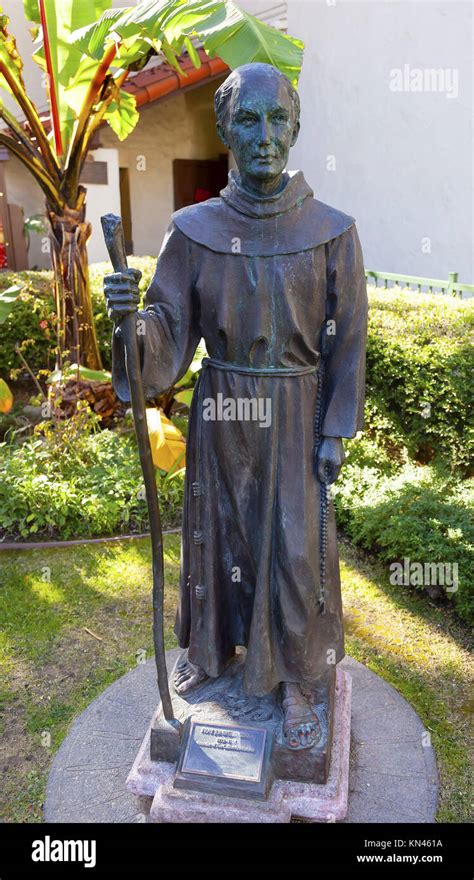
pixel 274 281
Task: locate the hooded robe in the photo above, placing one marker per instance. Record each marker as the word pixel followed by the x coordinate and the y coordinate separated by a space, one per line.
pixel 258 279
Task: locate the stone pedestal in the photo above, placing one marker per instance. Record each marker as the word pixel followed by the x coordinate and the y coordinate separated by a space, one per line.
pixel 318 802
pixel 393 776
pixel 223 701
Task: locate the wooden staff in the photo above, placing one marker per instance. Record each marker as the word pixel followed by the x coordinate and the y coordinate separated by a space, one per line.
pixel 115 242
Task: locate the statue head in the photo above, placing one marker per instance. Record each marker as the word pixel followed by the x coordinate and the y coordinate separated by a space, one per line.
pixel 258 118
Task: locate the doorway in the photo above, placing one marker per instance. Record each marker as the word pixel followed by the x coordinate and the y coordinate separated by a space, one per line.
pixel 195 180
pixel 126 209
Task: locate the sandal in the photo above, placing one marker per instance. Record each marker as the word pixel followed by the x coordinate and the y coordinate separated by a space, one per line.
pixel 300 723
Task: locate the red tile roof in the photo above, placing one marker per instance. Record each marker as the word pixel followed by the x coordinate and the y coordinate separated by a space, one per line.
pixel 156 82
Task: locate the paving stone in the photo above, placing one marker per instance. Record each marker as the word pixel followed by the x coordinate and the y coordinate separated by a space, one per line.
pixel 396 758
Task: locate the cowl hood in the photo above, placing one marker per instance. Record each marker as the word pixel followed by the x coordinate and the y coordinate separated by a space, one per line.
pixel 293 194
pixel 241 223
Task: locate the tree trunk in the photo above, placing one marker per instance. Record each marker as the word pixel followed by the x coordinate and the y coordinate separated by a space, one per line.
pixel 77 341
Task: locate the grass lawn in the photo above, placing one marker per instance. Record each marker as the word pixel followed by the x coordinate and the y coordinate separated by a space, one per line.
pixel 75 619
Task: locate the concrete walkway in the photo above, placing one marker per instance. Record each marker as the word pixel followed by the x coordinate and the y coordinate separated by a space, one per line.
pixel 393 768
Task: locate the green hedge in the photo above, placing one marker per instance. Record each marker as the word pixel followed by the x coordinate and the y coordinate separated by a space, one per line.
pixel 419 372
pixel 402 510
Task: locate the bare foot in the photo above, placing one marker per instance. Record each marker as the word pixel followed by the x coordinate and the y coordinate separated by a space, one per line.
pixel 187 676
pixel 301 728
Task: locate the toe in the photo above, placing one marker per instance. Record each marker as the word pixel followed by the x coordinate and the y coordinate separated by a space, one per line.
pixel 182 678
pixel 185 685
pixel 293 738
pixel 314 734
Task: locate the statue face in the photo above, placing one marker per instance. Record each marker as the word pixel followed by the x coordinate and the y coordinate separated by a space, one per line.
pixel 261 127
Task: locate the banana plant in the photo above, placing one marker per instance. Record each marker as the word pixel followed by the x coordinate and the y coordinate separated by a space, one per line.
pixel 86 51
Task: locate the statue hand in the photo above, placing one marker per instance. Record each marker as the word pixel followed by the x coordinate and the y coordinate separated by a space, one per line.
pixel 121 293
pixel 330 459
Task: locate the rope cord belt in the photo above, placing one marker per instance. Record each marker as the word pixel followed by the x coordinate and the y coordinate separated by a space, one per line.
pixel 258 371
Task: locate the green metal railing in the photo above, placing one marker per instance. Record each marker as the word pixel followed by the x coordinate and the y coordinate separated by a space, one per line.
pixel 450 286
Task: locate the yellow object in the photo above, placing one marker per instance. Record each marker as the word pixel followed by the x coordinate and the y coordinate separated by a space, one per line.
pixel 6 397
pixel 168 445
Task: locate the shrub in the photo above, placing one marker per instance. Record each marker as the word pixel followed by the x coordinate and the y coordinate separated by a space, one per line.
pixel 74 482
pixel 31 322
pixel 419 368
pixel 407 511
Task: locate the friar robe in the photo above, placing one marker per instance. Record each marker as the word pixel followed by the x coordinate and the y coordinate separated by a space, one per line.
pixel 258 278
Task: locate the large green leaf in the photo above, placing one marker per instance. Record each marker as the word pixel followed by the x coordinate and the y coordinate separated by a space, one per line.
pixel 62 20
pixel 31 10
pixel 91 39
pixel 147 17
pixel 8 298
pixel 185 17
pixel 78 86
pixel 127 25
pixel 123 115
pixel 225 30
pixel 239 38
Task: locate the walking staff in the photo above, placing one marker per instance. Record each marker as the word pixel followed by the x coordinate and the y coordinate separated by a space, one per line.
pixel 115 242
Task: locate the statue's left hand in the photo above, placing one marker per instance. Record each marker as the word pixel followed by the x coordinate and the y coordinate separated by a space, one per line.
pixel 330 459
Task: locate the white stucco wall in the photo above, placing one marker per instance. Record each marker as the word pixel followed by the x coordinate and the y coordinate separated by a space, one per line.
pixel 181 127
pixel 403 160
pixel 102 199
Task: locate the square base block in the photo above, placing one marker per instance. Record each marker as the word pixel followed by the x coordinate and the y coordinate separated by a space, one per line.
pixel 287 799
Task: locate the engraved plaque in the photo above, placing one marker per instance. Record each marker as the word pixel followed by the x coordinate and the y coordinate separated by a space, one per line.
pixel 225 759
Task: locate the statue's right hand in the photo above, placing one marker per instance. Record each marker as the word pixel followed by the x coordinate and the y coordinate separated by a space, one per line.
pixel 121 293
